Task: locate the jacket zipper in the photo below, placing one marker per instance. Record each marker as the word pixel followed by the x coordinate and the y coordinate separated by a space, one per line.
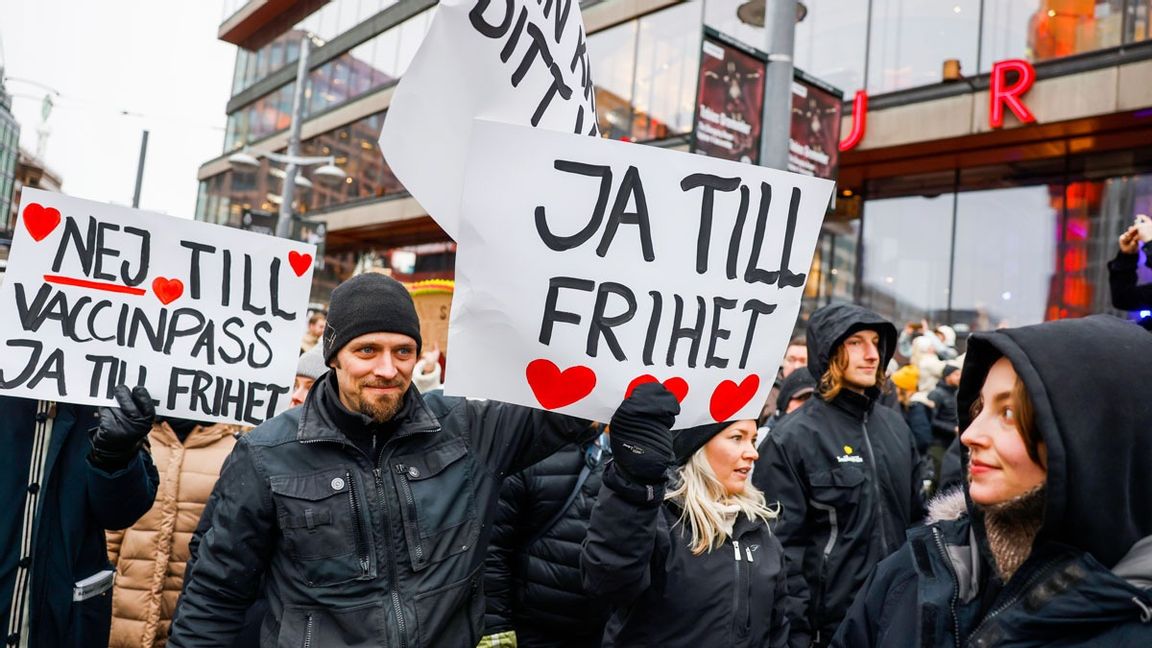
pixel 1040 573
pixel 876 487
pixel 955 583
pixel 391 560
pixel 308 632
pixel 736 590
pixel 411 504
pixel 361 549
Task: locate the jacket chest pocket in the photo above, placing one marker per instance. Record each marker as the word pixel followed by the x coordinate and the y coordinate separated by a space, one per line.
pixel 324 527
pixel 838 488
pixel 437 502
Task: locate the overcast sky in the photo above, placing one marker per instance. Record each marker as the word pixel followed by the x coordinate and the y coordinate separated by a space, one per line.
pixel 158 61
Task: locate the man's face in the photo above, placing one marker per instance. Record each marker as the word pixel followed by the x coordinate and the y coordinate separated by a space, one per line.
pixel 300 389
pixel 317 328
pixel 862 350
pixel 794 358
pixel 373 371
pixel 953 379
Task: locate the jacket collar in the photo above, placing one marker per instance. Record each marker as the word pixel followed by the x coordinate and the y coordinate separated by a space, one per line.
pixel 855 404
pixel 324 417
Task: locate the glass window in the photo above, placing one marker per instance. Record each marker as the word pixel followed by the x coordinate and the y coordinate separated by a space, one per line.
pixel 1039 30
pixel 907 246
pixel 667 58
pixel 831 42
pixel 613 55
pixel 911 40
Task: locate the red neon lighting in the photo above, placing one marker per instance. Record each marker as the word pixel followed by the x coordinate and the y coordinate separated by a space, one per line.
pixel 1001 93
pixel 859 121
pixel 96 285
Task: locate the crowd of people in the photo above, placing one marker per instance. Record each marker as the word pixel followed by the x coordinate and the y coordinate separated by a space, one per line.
pixel 992 497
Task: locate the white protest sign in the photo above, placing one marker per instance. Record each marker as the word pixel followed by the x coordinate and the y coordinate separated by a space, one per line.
pixel 587 266
pixel 517 61
pixel 208 318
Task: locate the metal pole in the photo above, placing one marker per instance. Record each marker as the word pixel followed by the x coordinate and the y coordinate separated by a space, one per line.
pixel 776 125
pixel 140 169
pixel 284 223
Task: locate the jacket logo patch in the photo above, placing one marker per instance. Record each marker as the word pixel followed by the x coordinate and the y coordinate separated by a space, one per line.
pixel 849 459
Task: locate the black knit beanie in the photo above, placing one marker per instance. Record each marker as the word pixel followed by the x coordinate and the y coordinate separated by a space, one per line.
pixel 686 442
pixel 369 303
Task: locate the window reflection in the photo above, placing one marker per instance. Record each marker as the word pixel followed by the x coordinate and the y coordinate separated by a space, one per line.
pixel 613 52
pixel 911 40
pixel 831 42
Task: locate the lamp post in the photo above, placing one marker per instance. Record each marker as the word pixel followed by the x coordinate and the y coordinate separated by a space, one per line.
pixel 779 18
pixel 291 159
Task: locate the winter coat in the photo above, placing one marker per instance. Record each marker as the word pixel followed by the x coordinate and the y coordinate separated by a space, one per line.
pixel 944 419
pixel 1087 580
pixel 918 415
pixel 76 502
pixel 357 552
pixel 1122 278
pixel 847 476
pixel 150 556
pixel 532 581
pixel 638 558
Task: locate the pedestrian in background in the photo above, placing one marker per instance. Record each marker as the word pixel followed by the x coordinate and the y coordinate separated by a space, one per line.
pixel 1053 543
pixel 1122 278
pixel 690 560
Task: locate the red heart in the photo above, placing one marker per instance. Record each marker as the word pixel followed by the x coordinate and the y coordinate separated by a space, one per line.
pixel 299 262
pixel 40 220
pixel 678 386
pixel 729 397
pixel 167 290
pixel 554 388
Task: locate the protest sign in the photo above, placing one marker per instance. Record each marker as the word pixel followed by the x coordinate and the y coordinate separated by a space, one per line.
pixel 516 61
pixel 208 318
pixel 587 266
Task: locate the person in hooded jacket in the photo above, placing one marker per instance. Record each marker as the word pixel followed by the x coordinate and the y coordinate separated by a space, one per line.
pixel 687 560
pixel 1051 542
pixel 795 390
pixel 846 472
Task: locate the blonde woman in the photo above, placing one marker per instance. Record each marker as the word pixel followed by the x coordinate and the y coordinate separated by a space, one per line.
pixel 685 556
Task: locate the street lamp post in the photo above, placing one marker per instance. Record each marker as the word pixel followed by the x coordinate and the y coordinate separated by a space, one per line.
pixel 291 159
pixel 776 120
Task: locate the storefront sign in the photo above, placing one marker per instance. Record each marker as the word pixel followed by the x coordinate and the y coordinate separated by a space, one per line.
pixel 516 61
pixel 208 318
pixel 588 266
pixel 729 105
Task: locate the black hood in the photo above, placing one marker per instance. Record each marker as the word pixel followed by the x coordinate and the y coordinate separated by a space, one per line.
pixel 829 325
pixel 796 381
pixel 1090 381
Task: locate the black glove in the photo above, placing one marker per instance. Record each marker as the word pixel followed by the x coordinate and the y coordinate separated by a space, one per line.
pixel 122 429
pixel 641 433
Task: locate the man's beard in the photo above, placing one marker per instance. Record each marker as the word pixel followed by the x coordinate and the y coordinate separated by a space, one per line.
pixel 381 411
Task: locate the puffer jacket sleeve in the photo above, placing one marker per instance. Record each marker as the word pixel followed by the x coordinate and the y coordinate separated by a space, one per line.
pixel 886 610
pixel 231 557
pixel 114 539
pixel 623 539
pixel 118 499
pixel 503 549
pixel 777 476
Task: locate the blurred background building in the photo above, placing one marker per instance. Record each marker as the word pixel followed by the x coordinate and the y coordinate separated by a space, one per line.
pixel 938 214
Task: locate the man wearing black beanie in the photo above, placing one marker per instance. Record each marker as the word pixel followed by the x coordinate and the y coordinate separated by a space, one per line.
pixel 363 515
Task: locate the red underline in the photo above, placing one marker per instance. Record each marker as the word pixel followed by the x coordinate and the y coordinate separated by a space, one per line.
pixel 97 285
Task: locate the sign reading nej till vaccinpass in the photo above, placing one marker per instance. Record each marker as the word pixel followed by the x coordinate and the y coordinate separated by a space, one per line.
pixel 516 61
pixel 587 266
pixel 208 318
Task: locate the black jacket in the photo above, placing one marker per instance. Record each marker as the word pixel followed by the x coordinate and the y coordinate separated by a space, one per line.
pixel 637 557
pixel 355 553
pixel 77 501
pixel 532 581
pixel 1122 278
pixel 944 419
pixel 846 474
pixel 1087 580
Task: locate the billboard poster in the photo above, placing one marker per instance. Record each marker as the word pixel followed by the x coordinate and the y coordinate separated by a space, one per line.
pixel 729 100
pixel 729 105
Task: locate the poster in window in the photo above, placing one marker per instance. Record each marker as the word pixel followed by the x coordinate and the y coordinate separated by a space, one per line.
pixel 814 144
pixel 729 100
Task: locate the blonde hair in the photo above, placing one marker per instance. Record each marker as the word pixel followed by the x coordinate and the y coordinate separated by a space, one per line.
pixel 833 379
pixel 701 496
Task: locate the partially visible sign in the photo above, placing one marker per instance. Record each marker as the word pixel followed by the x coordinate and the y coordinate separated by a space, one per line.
pixel 433 301
pixel 588 266
pixel 259 221
pixel 516 61
pixel 730 103
pixel 312 233
pixel 207 317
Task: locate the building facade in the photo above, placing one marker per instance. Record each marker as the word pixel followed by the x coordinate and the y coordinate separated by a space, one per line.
pixel 9 153
pixel 939 214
